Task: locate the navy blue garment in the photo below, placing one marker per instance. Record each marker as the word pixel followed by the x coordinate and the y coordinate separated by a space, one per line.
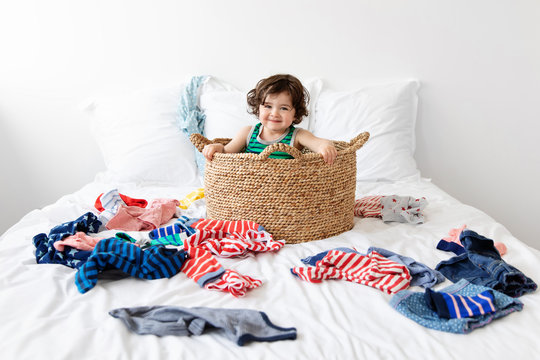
pixel 154 263
pixel 482 264
pixel 451 246
pixel 46 252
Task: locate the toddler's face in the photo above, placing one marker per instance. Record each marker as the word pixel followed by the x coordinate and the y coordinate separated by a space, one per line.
pixel 277 112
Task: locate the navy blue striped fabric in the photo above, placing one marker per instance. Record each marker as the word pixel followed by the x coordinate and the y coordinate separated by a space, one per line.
pixel 154 263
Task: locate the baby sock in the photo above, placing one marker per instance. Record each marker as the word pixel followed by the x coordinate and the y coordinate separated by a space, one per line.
pixel 450 306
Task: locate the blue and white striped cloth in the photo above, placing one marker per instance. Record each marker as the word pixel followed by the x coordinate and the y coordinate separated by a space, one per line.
pixel 111 202
pixel 154 263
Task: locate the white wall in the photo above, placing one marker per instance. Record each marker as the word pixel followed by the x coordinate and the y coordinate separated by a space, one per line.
pixel 478 62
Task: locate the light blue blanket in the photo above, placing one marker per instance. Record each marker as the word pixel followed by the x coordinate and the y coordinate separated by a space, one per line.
pixel 190 117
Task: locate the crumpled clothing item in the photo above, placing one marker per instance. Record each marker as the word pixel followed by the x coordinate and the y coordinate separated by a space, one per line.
pixel 414 306
pixel 46 253
pixel 368 206
pixel 234 283
pixel 154 263
pixel 372 270
pixel 232 238
pixel 421 275
pixel 403 209
pixel 453 237
pixel 134 218
pixel 482 264
pixel 202 267
pixel 112 199
pixel 79 241
pixel 238 325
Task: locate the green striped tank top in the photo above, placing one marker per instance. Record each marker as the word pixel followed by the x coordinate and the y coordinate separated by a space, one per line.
pixel 254 144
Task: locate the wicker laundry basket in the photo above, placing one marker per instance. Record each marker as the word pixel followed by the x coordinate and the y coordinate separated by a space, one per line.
pixel 299 200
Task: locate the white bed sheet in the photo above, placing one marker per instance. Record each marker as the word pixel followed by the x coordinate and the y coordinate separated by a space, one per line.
pixel 44 316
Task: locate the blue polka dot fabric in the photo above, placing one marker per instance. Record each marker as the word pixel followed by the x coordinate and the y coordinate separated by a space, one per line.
pixel 414 306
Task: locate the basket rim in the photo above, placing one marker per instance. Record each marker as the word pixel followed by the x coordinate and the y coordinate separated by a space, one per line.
pixel 199 141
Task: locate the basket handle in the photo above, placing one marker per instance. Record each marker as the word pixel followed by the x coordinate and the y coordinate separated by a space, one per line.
pixel 358 141
pixel 294 152
pixel 200 141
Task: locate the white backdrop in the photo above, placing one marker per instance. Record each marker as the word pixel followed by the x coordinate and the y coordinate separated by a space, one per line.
pixel 478 62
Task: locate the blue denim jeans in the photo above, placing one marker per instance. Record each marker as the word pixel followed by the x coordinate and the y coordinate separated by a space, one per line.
pixel 482 264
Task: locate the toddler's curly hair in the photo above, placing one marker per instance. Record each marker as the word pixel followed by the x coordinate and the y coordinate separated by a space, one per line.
pixel 276 84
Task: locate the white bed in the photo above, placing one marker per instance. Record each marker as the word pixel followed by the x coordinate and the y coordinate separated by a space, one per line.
pixel 44 315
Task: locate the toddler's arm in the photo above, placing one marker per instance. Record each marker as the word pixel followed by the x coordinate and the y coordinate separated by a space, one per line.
pixel 237 144
pixel 322 146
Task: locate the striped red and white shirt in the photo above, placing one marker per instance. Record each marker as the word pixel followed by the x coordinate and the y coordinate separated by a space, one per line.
pixel 372 270
pixel 231 238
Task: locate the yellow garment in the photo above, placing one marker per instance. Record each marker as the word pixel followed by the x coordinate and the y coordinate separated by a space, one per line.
pixel 191 198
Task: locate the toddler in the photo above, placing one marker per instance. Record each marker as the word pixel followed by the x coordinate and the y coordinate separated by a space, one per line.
pixel 279 102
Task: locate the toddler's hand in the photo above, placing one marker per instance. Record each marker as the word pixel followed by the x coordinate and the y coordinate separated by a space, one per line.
pixel 210 149
pixel 328 152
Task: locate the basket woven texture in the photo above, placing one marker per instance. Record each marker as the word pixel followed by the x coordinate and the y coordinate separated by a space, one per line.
pixel 298 200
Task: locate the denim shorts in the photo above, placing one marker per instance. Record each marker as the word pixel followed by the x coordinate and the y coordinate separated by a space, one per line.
pixel 482 264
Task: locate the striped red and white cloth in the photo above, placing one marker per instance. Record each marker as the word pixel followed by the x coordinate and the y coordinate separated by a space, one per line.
pixel 226 239
pixel 368 206
pixel 240 226
pixel 231 238
pixel 201 266
pixel 372 270
pixel 234 283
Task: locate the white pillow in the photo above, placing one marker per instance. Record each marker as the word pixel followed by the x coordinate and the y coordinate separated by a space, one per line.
pixel 139 138
pixel 388 113
pixel 226 108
